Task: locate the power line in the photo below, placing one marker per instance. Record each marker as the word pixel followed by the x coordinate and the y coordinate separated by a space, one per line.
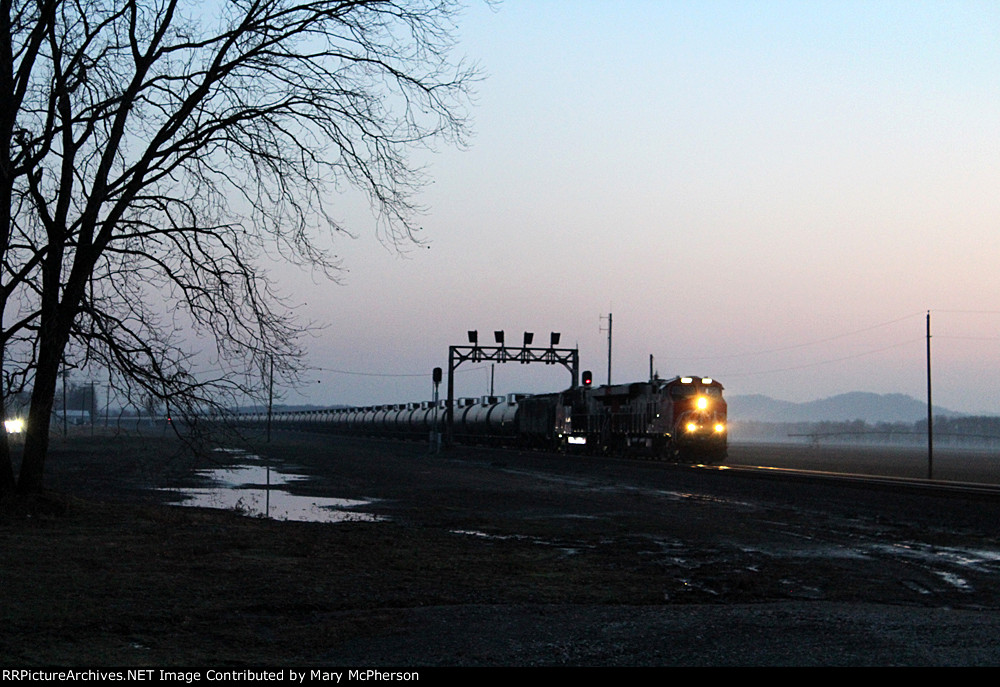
pixel 731 356
pixel 857 355
pixel 384 374
pixel 967 338
pixel 969 312
pixel 365 374
pixel 799 345
pixel 823 362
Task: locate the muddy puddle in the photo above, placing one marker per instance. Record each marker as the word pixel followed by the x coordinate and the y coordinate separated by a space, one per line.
pixel 257 490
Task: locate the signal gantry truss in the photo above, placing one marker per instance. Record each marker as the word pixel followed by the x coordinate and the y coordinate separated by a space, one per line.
pixel 567 357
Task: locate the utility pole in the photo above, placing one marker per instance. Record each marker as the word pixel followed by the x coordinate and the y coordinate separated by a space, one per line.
pixel 65 373
pixel 93 406
pixel 930 407
pixel 609 346
pixel 436 377
pixel 270 395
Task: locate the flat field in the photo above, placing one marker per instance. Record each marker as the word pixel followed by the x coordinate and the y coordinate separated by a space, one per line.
pixel 480 557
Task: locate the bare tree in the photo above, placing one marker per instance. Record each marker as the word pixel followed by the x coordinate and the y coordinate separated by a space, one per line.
pixel 154 152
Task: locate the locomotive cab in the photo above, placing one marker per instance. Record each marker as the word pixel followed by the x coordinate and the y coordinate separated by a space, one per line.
pixel 697 414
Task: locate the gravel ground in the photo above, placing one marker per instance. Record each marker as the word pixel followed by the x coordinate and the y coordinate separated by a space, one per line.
pixel 480 557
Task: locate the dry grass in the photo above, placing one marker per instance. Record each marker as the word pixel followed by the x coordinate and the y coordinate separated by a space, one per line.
pixel 118 583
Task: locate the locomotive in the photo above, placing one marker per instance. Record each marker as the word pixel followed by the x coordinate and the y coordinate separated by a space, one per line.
pixel 681 419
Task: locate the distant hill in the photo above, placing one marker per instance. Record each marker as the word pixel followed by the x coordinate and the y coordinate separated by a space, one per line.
pixel 856 405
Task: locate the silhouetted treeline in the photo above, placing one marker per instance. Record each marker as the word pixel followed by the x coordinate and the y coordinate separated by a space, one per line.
pixel 972 431
pixel 76 397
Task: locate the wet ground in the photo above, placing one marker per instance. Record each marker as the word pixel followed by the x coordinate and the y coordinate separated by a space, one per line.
pixel 485 557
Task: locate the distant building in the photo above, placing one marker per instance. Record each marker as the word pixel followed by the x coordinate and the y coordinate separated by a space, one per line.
pixel 73 417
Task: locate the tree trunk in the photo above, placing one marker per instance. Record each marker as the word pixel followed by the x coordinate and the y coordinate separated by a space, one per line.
pixel 36 438
pixel 7 483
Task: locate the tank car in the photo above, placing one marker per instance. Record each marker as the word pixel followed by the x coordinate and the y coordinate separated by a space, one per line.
pixel 490 420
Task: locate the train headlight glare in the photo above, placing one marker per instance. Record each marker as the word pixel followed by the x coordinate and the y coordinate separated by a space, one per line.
pixel 15 426
pixel 702 403
pixel 691 426
pixel 720 428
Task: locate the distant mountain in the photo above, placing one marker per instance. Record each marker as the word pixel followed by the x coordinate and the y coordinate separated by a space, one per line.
pixel 856 405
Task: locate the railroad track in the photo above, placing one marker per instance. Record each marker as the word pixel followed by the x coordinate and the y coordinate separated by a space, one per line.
pixel 907 483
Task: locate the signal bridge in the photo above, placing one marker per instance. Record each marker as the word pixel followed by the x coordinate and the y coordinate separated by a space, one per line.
pixel 567 357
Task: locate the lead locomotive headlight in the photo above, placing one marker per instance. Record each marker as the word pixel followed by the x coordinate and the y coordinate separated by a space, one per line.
pixel 702 403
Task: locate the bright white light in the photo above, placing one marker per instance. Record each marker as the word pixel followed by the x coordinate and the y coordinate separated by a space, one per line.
pixel 577 440
pixel 15 426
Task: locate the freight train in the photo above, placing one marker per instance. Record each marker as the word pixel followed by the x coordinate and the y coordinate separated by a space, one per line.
pixel 681 419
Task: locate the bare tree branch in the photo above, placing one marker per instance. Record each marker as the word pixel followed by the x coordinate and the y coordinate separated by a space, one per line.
pixel 155 152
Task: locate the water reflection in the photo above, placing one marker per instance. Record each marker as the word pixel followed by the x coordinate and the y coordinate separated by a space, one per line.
pixel 256 490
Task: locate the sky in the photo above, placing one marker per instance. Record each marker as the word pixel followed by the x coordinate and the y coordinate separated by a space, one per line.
pixel 774 194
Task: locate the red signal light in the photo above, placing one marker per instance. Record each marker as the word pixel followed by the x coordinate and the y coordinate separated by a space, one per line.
pixel 588 378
